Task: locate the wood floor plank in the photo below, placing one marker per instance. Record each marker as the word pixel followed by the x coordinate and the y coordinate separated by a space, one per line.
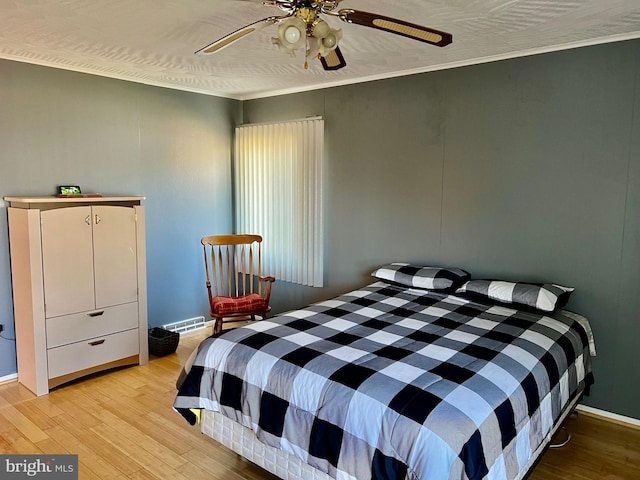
pixel 14 393
pixel 45 406
pixel 85 471
pixel 30 411
pixel 139 453
pixel 148 429
pixel 86 438
pixel 142 475
pixel 17 442
pixel 191 470
pixel 212 465
pixel 5 446
pixel 25 425
pixel 92 460
pixel 121 424
pixel 71 409
pixel 191 437
pixel 133 441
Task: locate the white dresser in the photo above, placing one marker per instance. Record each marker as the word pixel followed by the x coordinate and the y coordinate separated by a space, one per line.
pixel 79 286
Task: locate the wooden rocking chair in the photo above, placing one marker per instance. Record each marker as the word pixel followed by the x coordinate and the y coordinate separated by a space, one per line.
pixel 234 262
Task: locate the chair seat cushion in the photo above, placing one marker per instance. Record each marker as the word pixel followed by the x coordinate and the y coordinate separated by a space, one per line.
pixel 244 304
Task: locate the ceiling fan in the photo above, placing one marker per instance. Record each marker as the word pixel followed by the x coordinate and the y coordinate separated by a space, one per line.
pixel 303 27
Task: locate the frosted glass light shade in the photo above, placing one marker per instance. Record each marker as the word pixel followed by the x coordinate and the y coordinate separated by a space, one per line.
pixel 321 29
pixel 292 34
pixel 329 40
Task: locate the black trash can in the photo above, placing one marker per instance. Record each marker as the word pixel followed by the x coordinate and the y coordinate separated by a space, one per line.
pixel 162 341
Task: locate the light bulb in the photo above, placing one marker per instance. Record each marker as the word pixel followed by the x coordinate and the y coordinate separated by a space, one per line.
pixel 325 45
pixel 292 34
pixel 330 40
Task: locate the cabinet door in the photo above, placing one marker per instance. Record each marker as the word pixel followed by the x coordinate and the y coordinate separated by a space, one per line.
pixel 115 260
pixel 67 260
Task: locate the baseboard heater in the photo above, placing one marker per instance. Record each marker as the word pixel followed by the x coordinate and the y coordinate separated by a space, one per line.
pixel 189 325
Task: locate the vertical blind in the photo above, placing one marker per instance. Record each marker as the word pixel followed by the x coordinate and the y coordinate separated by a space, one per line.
pixel 278 194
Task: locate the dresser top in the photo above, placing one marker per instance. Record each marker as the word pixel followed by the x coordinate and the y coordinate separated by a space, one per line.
pixel 53 201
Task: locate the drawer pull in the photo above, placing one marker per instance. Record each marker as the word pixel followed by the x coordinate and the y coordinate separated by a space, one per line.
pixel 96 342
pixel 96 314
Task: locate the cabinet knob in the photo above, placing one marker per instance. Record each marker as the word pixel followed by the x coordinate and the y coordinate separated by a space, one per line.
pixel 98 219
pixel 96 314
pixel 88 220
pixel 96 342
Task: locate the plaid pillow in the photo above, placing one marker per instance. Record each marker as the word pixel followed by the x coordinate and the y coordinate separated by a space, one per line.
pixel 545 297
pixel 429 278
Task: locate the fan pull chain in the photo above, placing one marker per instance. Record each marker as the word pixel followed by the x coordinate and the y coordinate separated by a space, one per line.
pixel 306 53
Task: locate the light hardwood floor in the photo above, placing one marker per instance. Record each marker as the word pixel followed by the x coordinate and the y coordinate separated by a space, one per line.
pixel 121 425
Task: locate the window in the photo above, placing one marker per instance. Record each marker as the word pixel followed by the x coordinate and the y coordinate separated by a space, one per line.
pixel 278 194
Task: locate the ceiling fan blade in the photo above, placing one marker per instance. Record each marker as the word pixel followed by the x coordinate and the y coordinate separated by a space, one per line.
pixel 399 27
pixel 238 35
pixel 334 60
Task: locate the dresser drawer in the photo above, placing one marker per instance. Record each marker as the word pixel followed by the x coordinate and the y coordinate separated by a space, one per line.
pixel 81 326
pixel 92 352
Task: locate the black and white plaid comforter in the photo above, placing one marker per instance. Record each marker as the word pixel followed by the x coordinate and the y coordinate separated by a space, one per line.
pixel 388 382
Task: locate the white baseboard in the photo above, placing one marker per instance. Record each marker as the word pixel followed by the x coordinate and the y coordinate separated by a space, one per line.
pixel 8 378
pixel 611 416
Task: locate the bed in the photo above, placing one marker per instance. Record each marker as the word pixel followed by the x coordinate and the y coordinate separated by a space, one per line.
pixel 401 379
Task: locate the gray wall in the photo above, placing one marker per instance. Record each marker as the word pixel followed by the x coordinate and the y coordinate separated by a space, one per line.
pixel 527 169
pixel 114 137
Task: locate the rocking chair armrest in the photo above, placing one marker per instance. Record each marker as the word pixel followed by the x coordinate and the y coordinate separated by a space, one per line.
pixel 268 281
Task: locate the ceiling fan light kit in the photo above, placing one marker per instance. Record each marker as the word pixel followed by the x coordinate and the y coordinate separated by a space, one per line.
pixel 302 27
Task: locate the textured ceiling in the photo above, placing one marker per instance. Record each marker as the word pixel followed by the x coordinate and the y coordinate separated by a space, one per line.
pixel 152 41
